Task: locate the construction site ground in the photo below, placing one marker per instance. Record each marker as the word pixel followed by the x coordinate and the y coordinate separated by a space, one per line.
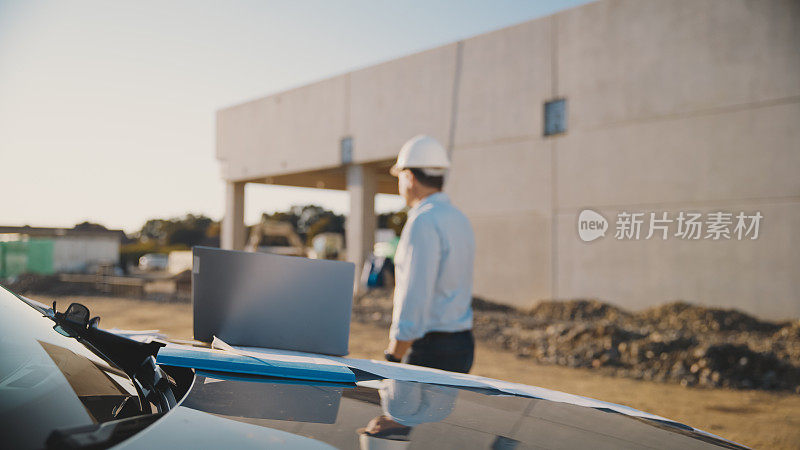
pixel 756 418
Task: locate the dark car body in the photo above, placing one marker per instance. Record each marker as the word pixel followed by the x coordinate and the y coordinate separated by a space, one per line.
pixel 59 390
pixel 438 417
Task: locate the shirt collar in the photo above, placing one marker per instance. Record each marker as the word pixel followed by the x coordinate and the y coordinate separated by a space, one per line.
pixel 436 197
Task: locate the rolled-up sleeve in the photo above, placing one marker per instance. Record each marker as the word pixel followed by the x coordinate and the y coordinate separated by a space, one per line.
pixel 417 272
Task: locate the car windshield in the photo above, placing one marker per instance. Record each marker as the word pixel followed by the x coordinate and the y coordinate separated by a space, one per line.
pixel 50 381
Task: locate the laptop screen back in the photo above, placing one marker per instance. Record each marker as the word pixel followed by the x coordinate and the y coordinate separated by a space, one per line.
pixel 272 301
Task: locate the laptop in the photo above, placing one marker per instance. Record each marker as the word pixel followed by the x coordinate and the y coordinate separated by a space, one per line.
pixel 272 301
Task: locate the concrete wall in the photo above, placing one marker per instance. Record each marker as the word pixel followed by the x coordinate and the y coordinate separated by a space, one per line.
pixel 683 105
pixel 290 132
pixel 393 101
pixel 300 130
pixel 74 254
pixel 501 174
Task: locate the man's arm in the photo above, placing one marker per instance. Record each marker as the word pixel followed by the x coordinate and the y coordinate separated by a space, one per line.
pixel 414 292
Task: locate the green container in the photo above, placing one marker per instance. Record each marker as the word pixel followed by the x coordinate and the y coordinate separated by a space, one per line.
pixel 15 258
pixel 32 256
pixel 40 256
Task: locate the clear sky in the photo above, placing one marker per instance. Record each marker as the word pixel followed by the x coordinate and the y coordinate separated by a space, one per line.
pixel 107 108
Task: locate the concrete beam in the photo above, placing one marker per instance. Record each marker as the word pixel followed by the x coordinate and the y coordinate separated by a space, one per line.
pixel 360 228
pixel 233 229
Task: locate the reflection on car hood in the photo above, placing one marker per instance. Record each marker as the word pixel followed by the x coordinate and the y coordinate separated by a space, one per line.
pixel 191 428
pixel 387 413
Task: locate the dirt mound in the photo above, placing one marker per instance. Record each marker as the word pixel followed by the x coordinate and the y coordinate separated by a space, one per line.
pixel 576 310
pixel 374 307
pixel 479 304
pixel 738 366
pixel 676 342
pixel 680 315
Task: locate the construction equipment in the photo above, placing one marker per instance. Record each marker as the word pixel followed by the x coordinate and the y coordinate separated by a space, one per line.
pixel 327 246
pixel 273 236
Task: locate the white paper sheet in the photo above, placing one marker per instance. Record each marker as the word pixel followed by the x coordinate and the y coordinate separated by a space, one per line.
pixel 144 336
pixel 405 372
pixel 274 355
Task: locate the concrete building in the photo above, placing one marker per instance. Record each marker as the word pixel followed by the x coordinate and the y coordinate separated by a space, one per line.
pixel 669 107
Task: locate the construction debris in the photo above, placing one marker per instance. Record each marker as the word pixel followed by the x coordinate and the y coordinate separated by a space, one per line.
pixel 50 285
pixel 164 288
pixel 677 342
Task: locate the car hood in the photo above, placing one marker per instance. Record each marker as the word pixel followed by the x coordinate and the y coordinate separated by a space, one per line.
pixel 225 410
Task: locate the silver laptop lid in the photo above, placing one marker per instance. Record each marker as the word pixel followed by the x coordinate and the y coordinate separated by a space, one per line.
pixel 272 301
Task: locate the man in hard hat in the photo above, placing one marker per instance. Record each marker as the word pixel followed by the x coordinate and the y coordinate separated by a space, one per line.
pixel 432 317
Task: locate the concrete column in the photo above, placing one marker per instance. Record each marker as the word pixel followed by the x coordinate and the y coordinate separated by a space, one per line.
pixel 362 185
pixel 232 234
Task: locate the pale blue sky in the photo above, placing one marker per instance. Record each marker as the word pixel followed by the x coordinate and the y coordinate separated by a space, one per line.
pixel 107 108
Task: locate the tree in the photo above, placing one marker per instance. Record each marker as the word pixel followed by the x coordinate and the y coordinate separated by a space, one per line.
pixel 188 231
pixel 154 230
pixel 89 226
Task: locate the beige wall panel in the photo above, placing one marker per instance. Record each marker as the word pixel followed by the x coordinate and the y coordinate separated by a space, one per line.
pixel 758 276
pixel 629 60
pixel 394 101
pixel 495 179
pixel 512 263
pixel 288 132
pixel 505 80
pixel 753 153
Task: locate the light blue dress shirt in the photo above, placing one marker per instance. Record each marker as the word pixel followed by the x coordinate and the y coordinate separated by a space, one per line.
pixel 433 271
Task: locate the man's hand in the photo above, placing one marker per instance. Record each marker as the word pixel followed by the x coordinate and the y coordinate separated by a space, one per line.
pixel 398 348
pixel 382 424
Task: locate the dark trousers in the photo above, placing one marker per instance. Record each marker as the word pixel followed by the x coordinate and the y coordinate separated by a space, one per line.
pixel 440 350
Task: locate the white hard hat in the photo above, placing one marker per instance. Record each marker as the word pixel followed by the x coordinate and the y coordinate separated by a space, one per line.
pixel 422 152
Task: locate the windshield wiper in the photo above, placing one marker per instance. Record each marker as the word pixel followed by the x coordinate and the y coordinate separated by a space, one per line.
pixel 136 358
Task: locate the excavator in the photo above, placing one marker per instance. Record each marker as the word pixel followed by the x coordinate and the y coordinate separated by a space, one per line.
pixel 275 236
pixel 273 232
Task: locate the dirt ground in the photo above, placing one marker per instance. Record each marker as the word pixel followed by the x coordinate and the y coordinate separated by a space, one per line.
pixel 757 419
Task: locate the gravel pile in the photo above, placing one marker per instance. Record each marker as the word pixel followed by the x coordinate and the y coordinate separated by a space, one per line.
pixel 26 284
pixel 677 342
